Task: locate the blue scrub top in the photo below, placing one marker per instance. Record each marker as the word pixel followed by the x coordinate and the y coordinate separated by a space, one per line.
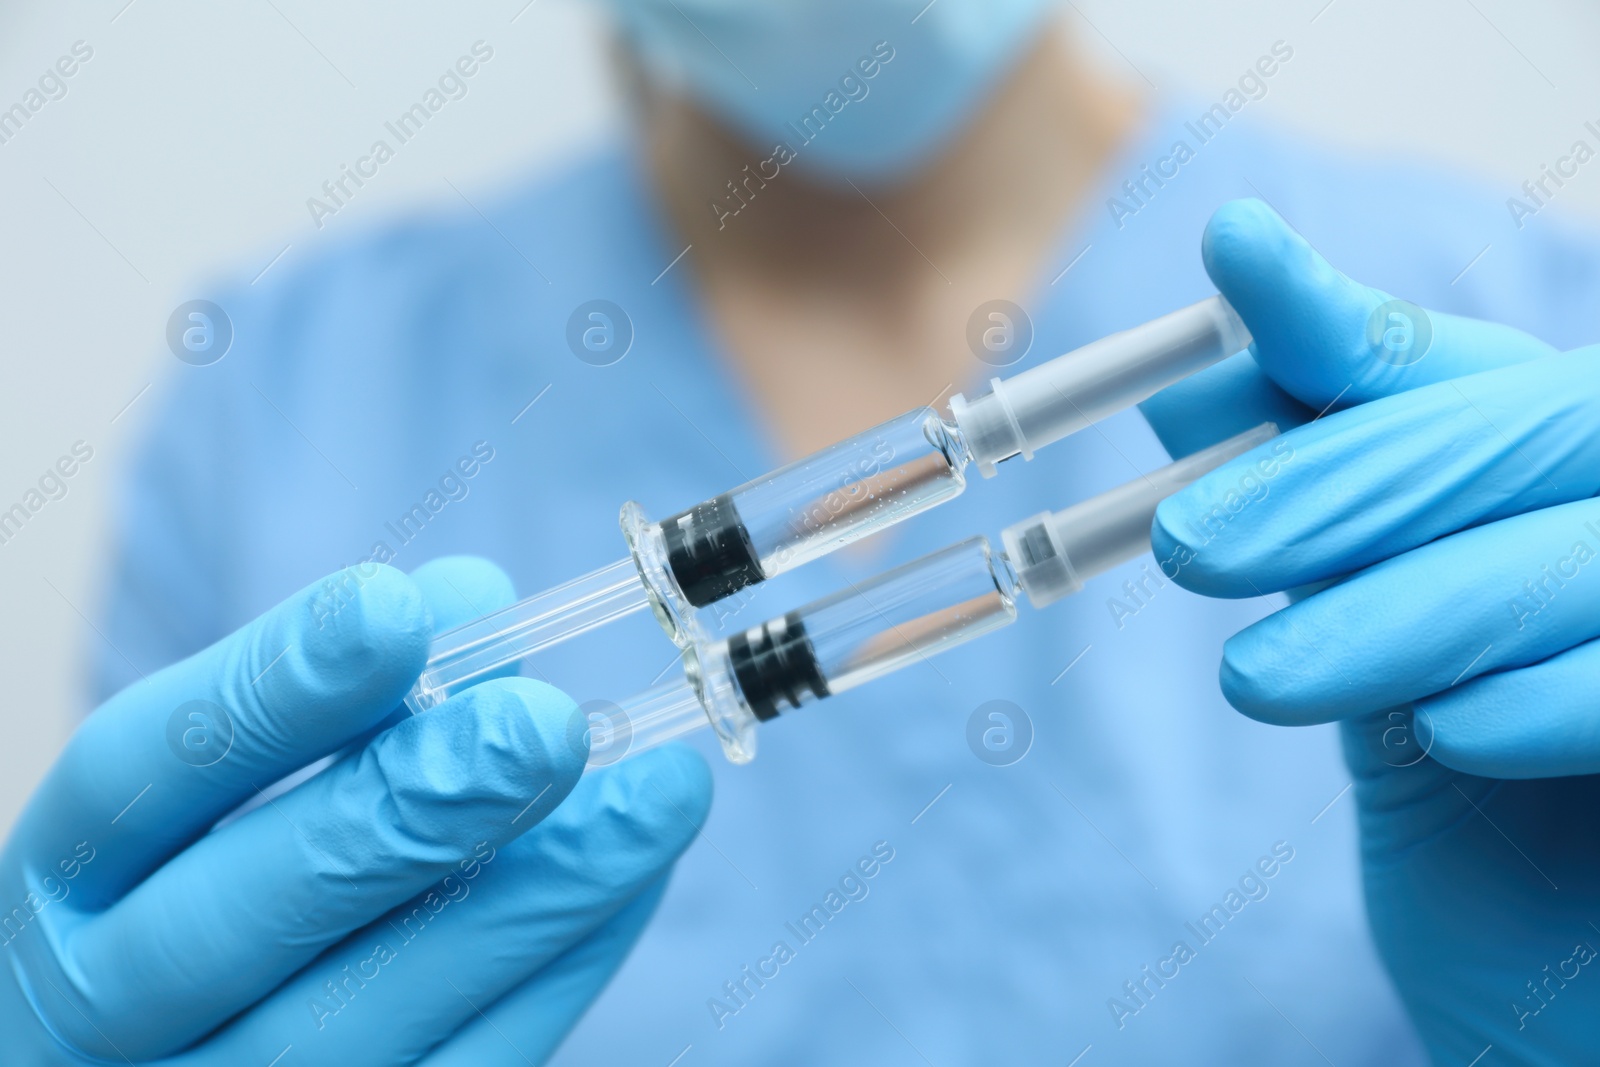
pixel 1021 904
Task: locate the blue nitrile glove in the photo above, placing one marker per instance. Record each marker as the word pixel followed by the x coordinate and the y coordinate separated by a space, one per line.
pixel 424 900
pixel 1448 497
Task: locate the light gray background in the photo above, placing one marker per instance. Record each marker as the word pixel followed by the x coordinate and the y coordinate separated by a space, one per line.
pixel 189 144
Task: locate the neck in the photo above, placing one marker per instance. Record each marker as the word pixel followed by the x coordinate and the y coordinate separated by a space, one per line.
pixel 1009 181
pixel 839 310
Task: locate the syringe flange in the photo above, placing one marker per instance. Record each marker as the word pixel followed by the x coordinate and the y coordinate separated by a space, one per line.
pixel 647 544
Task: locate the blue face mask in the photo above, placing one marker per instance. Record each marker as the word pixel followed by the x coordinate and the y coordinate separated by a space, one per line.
pixel 867 89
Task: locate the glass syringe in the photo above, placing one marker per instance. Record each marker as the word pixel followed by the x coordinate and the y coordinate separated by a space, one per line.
pixel 839 495
pixel 902 617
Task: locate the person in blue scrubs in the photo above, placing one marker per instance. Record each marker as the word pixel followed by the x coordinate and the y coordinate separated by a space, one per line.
pixel 1024 906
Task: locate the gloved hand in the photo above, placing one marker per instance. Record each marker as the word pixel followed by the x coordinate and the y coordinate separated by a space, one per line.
pixel 448 892
pixel 1448 498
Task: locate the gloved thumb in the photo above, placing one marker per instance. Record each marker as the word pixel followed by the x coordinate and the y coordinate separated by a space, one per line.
pixel 1329 340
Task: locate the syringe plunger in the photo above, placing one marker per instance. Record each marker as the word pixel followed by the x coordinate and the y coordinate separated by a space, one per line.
pixel 1056 552
pixel 1043 404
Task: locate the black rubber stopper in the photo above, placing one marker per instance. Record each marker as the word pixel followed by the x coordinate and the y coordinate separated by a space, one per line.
pixel 775 664
pixel 710 553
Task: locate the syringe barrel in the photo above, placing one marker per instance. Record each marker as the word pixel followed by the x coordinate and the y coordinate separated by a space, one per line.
pixel 1046 403
pixel 807 509
pixel 907 465
pixel 1055 553
pixel 871 629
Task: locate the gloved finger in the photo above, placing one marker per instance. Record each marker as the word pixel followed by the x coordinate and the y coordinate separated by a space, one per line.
pixel 462 589
pixel 160 762
pixel 1330 340
pixel 1541 721
pixel 457 590
pixel 384 994
pixel 1218 403
pixel 468 589
pixel 527 1024
pixel 264 895
pixel 1495 597
pixel 1373 481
